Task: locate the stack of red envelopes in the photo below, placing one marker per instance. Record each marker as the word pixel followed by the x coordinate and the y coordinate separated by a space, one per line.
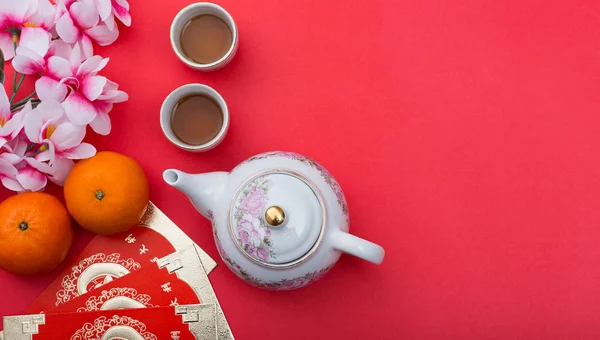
pixel 148 283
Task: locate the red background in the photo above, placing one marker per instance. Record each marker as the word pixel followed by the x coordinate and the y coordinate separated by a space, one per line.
pixel 465 135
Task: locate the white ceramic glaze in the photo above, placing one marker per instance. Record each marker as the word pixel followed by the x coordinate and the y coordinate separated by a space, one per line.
pixel 171 101
pixel 194 10
pixel 300 250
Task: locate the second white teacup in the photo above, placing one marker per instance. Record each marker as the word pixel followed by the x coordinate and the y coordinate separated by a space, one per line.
pixel 170 104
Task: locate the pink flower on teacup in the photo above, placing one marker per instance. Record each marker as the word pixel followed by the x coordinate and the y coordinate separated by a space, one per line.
pixel 263 254
pixel 249 231
pixel 254 202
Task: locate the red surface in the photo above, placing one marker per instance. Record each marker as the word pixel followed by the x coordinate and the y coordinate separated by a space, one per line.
pixel 465 135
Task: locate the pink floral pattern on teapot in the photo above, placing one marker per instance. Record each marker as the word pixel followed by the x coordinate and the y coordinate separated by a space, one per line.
pixel 329 179
pixel 284 284
pixel 251 231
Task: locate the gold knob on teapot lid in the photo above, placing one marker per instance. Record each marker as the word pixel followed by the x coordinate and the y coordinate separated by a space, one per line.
pixel 274 216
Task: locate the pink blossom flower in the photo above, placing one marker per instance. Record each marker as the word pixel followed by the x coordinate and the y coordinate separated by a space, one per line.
pixel 8 176
pixel 79 23
pixel 47 125
pixel 254 202
pixel 58 67
pixel 37 145
pixel 13 151
pixel 31 171
pixel 109 9
pixel 60 170
pixel 263 254
pixel 32 174
pixel 11 159
pixel 10 123
pixel 248 228
pixel 91 97
pixel 32 18
pixel 26 175
pixel 103 105
pixel 34 59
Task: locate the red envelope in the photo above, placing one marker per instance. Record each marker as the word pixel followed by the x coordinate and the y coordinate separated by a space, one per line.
pixel 176 279
pixel 160 323
pixel 107 258
pixel 148 287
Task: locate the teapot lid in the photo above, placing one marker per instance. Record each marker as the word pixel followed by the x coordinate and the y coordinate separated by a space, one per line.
pixel 277 218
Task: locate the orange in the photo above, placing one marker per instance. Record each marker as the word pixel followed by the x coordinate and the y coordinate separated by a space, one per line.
pixel 35 233
pixel 108 193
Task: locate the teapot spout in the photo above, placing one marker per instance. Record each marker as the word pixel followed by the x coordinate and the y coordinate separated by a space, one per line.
pixel 203 190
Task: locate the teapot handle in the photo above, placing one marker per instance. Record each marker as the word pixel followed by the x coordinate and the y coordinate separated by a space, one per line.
pixel 358 247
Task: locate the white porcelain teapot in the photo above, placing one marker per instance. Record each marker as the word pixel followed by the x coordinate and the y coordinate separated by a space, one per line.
pixel 280 220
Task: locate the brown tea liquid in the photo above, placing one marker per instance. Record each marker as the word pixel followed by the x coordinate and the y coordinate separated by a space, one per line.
pixel 196 120
pixel 206 39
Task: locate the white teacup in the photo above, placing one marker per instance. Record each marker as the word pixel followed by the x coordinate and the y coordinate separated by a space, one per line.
pixel 168 106
pixel 192 11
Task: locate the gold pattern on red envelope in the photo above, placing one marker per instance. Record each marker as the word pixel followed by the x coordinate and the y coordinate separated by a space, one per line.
pixel 107 258
pixel 115 296
pixel 151 286
pixel 103 325
pixel 181 323
pixel 93 272
pixel 176 279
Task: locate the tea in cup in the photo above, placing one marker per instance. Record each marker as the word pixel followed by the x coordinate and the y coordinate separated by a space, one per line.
pixel 194 117
pixel 204 36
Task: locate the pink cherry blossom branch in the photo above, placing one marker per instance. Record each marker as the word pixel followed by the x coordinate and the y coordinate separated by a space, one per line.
pixel 19 105
pixel 25 100
pixel 53 42
pixel 16 85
